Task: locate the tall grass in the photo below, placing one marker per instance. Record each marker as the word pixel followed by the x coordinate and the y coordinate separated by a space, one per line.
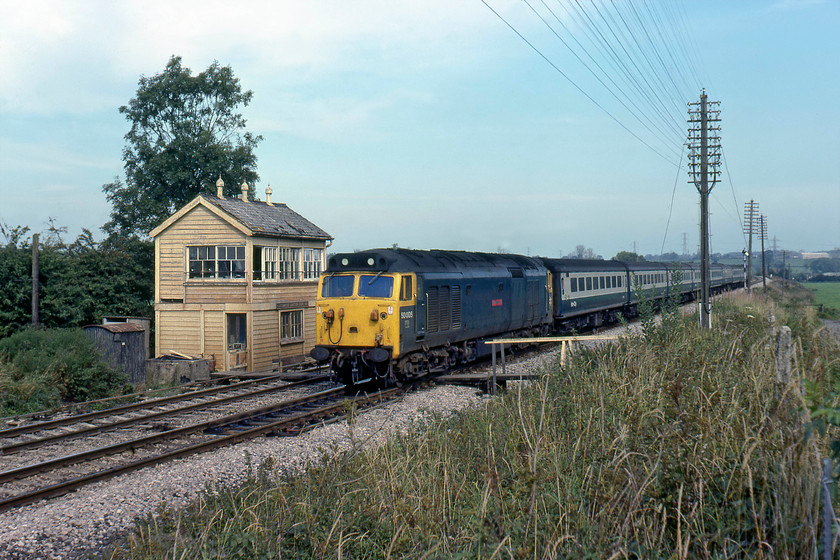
pixel 673 443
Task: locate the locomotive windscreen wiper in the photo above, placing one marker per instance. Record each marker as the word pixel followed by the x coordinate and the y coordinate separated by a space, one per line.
pixel 378 274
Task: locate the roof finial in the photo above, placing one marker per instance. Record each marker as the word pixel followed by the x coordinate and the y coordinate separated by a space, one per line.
pixel 244 191
pixel 220 187
pixel 268 195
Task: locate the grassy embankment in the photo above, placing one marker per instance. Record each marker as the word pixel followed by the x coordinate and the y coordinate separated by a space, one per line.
pixel 675 443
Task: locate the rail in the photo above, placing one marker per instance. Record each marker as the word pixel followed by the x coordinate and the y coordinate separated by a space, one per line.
pixel 565 349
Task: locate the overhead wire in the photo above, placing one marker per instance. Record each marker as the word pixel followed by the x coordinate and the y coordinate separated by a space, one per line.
pixel 588 24
pixel 574 84
pixel 671 207
pixel 597 77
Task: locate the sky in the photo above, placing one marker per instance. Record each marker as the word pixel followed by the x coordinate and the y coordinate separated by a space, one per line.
pixel 448 124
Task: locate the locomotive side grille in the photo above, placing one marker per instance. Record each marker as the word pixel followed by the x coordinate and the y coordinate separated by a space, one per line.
pixel 432 310
pixel 456 307
pixel 445 304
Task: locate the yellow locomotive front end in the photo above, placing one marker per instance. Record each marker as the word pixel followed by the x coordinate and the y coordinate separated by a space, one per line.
pixel 357 325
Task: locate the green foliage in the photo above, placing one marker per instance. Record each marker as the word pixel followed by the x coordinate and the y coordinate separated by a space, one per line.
pixel 79 283
pixel 628 256
pixel 824 265
pixel 185 133
pixel 41 368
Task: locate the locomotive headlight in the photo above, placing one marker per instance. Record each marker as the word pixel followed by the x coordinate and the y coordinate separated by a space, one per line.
pixel 390 310
pixel 370 261
pixel 318 310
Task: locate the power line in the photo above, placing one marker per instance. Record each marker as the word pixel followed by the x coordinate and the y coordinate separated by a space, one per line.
pixel 591 71
pixel 671 207
pixel 544 57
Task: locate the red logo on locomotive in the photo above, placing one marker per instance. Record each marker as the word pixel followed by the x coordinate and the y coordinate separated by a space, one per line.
pixel 496 302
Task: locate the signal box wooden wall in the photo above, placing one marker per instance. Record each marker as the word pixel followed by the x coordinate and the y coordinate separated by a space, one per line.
pixel 236 280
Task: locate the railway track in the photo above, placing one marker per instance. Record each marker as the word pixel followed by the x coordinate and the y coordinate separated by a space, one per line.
pixel 28 483
pixel 43 433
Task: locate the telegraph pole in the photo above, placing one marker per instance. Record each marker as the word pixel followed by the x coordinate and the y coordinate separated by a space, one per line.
pixel 704 164
pixel 36 287
pixel 763 239
pixel 750 227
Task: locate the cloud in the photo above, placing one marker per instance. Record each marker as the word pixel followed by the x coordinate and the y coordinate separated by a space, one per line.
pixel 76 57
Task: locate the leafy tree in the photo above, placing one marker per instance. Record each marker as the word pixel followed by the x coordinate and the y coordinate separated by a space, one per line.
pixel 185 133
pixel 824 265
pixel 628 256
pixel 583 252
pixel 79 283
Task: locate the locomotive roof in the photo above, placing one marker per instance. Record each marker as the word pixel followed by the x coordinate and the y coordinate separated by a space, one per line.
pixel 412 260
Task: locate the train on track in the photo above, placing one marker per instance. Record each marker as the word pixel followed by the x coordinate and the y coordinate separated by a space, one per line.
pixel 392 315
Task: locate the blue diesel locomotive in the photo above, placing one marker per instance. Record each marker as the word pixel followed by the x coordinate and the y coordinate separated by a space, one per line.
pixel 398 314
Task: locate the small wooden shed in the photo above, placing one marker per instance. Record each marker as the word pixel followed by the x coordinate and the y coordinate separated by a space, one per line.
pixel 124 347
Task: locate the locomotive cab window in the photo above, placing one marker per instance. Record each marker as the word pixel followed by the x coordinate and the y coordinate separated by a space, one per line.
pixel 337 286
pixel 375 286
pixel 406 289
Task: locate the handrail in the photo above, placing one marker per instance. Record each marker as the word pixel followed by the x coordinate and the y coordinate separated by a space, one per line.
pixel 565 346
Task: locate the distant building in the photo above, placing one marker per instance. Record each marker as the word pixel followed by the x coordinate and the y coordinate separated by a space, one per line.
pixel 807 256
pixel 236 281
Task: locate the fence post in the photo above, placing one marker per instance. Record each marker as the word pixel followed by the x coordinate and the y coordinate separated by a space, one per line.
pixel 783 356
pixel 492 388
pixel 828 511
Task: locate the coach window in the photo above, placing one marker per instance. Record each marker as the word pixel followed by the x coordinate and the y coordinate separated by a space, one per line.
pixel 602 282
pixel 574 284
pixel 589 283
pixel 406 291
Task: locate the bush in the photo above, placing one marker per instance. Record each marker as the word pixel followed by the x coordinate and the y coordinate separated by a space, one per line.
pixel 41 368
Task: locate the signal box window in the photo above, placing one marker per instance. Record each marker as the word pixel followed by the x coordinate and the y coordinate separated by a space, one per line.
pixel 267 257
pixel 289 263
pixel 406 290
pixel 202 262
pixel 312 263
pixel 375 286
pixel 216 262
pixel 337 286
pixel 291 326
